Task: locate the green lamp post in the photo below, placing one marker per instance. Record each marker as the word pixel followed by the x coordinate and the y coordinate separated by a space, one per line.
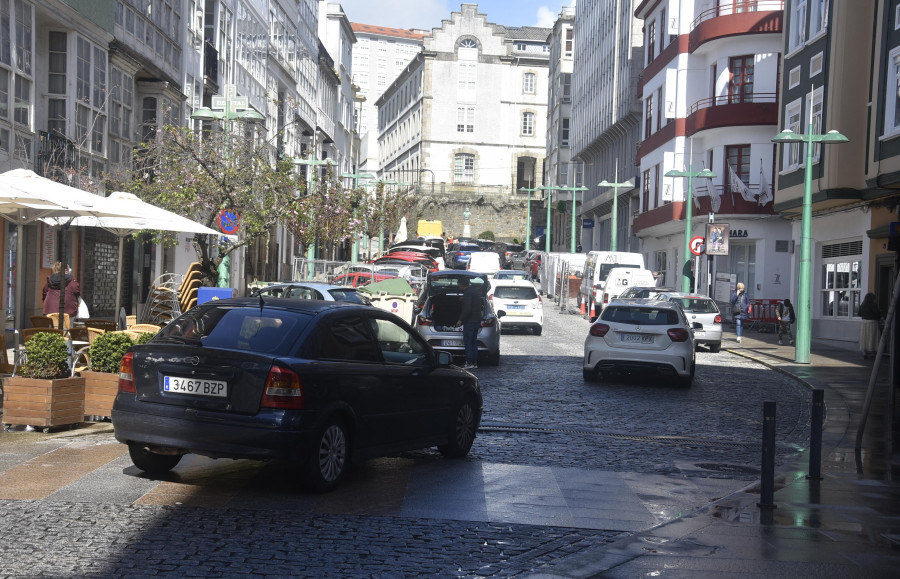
pixel 614 241
pixel 354 251
pixel 528 216
pixel 804 306
pixel 688 211
pixel 311 250
pixel 549 191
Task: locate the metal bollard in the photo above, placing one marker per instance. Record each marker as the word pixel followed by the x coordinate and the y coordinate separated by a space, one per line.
pixel 817 418
pixel 767 476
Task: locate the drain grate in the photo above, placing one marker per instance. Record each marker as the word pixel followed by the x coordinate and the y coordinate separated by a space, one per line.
pixel 662 439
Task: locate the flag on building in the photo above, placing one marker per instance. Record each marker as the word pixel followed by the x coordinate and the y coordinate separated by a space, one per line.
pixel 765 192
pixel 715 197
pixel 738 186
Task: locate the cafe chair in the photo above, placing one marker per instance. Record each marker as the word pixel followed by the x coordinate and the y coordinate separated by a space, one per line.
pixel 105 325
pixel 54 318
pixel 41 322
pixel 144 328
pixel 82 339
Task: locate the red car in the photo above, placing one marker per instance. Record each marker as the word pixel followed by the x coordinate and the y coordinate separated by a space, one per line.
pixel 407 258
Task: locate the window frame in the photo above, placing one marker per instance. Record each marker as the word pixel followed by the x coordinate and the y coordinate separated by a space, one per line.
pixel 527 125
pixel 464 168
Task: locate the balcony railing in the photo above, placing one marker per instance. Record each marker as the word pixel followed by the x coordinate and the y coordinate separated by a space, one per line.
pixel 738 7
pixel 733 99
pixel 55 155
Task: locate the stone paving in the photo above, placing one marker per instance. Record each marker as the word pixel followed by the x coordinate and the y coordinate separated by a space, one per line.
pixel 661 449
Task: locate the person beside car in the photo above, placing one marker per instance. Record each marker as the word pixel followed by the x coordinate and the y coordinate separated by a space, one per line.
pixel 470 319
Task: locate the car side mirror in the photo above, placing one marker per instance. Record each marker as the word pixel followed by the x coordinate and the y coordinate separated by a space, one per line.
pixel 444 358
pixel 501 313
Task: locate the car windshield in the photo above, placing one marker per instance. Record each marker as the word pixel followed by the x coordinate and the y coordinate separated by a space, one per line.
pixel 515 293
pixel 640 316
pixel 269 331
pixel 350 296
pixel 698 306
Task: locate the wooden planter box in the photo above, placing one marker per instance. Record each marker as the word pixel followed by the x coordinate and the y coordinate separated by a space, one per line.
pixel 100 389
pixel 35 402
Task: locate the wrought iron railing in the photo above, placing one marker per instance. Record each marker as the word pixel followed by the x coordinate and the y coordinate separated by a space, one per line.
pixel 737 7
pixel 733 99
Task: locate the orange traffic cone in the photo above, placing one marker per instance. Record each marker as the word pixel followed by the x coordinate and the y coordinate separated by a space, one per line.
pixel 593 312
pixel 581 309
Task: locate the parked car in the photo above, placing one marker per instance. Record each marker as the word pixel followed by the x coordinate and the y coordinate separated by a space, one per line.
pixel 517 260
pixel 486 262
pixel 312 291
pixel 440 305
pixel 512 249
pixel 641 336
pixel 317 383
pixel 518 303
pixel 419 246
pixel 458 254
pixel 408 258
pixel 359 279
pixel 511 274
pixel 643 291
pixel 703 310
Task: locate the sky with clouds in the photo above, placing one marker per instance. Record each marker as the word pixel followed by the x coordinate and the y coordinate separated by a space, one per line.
pixel 428 14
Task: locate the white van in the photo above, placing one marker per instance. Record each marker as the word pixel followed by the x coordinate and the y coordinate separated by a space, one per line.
pixel 617 281
pixel 486 262
pixel 597 267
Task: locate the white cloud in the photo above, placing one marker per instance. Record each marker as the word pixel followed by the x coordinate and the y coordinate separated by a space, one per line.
pixel 425 14
pixel 545 17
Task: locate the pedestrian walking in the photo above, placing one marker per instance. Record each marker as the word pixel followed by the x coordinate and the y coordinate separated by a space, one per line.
pixel 470 316
pixel 740 308
pixel 51 291
pixel 869 332
pixel 786 318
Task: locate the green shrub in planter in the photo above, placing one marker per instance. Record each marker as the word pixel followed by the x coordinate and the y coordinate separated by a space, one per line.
pixel 143 338
pixel 47 357
pixel 107 351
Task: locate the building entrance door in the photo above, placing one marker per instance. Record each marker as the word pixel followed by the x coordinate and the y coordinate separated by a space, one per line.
pixel 743 264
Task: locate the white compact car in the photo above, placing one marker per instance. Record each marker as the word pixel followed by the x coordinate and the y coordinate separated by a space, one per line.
pixel 641 336
pixel 520 303
pixel 703 310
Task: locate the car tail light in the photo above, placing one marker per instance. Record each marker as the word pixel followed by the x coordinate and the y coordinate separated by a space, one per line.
pixel 126 373
pixel 678 334
pixel 718 319
pixel 540 304
pixel 488 322
pixel 283 389
pixel 423 321
pixel 599 330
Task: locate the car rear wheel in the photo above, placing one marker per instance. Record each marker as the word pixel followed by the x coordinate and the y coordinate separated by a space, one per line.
pixel 461 433
pixel 538 330
pixel 151 462
pixel 328 463
pixel 689 379
pixel 714 348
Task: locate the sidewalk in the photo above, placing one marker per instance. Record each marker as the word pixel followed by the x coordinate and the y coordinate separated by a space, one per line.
pixel 846 525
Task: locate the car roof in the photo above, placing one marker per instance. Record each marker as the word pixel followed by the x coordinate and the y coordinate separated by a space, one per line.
pixel 310 284
pixel 662 304
pixel 457 273
pixel 685 295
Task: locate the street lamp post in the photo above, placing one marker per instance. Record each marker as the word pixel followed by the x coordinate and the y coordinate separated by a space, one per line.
pixel 354 250
pixel 228 108
pixel 614 245
pixel 381 217
pixel 574 190
pixel 528 217
pixel 549 191
pixel 804 309
pixel 688 209
pixel 311 249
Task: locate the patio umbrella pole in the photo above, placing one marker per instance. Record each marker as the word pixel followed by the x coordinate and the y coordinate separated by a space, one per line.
pixel 19 290
pixel 119 279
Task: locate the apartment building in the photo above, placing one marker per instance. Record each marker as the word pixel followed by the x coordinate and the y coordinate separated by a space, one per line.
pixel 606 109
pixel 470 112
pixel 709 91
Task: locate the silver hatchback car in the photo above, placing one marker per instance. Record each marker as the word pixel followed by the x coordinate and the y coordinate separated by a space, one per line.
pixel 438 312
pixel 703 310
pixel 641 336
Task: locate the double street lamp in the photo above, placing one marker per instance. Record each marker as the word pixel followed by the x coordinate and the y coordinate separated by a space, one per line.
pixel 550 190
pixel 688 212
pixel 804 306
pixel 613 246
pixel 528 216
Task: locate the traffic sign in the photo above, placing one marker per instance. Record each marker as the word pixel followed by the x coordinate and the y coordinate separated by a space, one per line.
pixel 229 221
pixel 697 245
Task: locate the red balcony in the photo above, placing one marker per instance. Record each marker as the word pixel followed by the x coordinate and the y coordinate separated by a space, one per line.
pixel 732 111
pixel 738 18
pixel 729 204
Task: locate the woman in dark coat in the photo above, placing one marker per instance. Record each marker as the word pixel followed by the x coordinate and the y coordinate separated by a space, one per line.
pixel 869 333
pixel 51 291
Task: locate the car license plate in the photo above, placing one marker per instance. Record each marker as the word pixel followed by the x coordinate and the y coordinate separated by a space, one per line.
pixel 195 386
pixel 636 338
pixel 699 333
pixel 516 307
pixel 452 343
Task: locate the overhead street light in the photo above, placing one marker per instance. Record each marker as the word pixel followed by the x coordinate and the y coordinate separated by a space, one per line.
pixel 804 305
pixel 688 209
pixel 613 246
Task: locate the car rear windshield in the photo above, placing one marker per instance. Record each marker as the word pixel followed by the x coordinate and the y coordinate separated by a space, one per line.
pixel 698 306
pixel 449 281
pixel 268 331
pixel 640 316
pixel 515 293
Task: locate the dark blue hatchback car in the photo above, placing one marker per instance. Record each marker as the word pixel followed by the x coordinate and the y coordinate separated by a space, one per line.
pixel 315 382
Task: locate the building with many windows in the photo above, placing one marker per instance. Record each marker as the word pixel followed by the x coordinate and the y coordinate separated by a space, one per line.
pixel 709 90
pixel 470 111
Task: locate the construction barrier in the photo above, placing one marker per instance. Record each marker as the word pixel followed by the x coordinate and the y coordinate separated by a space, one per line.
pixel 762 314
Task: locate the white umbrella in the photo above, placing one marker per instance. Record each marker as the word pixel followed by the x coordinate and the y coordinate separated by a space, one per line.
pixel 26 197
pixel 146 216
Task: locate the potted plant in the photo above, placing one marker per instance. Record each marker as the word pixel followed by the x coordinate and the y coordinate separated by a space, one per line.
pixel 102 380
pixel 43 393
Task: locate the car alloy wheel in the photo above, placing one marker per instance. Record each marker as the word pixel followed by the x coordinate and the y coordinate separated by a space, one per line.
pixel 328 462
pixel 462 432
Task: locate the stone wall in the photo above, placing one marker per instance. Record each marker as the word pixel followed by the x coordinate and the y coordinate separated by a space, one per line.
pixel 492 209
